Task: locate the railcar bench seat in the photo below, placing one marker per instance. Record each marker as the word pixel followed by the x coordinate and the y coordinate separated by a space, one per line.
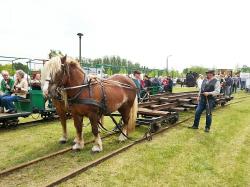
pixel 34 102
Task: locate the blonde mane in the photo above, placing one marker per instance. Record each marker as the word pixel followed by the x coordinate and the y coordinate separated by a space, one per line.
pixel 53 66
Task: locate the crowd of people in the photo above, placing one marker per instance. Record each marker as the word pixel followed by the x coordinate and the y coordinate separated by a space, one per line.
pixel 147 83
pixel 228 83
pixel 15 89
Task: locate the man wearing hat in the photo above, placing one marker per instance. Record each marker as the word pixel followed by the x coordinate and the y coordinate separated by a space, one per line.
pixel 210 87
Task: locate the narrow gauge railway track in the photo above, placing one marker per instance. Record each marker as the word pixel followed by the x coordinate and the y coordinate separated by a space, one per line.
pixel 98 161
pixel 37 122
pixel 32 123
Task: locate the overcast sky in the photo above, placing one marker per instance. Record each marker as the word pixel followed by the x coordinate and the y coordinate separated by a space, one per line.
pixel 211 33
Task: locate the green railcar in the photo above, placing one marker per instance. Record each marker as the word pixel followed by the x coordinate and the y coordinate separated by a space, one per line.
pixel 35 102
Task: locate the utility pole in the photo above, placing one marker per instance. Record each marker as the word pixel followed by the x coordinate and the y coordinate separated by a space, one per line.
pixel 167 64
pixel 80 46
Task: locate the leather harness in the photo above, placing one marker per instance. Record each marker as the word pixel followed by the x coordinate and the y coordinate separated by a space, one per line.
pixel 89 101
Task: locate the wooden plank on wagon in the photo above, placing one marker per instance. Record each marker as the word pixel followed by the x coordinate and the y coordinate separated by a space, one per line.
pixel 184 100
pixel 189 106
pixel 148 103
pixel 179 109
pixel 145 111
pixel 163 106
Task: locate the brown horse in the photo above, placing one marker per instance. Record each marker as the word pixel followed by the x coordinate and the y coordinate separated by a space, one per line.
pixel 92 98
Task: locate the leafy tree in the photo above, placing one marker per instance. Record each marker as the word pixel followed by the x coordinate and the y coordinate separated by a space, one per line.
pixel 7 67
pixel 54 53
pixel 245 69
pixel 20 66
pixel 197 69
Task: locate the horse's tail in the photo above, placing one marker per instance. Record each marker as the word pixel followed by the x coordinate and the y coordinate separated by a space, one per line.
pixel 133 116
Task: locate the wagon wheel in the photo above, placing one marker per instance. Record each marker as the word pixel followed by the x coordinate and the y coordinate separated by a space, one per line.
pixel 154 127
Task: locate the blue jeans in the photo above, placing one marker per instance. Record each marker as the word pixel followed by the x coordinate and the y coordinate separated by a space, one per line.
pixel 200 108
pixel 1 97
pixel 7 101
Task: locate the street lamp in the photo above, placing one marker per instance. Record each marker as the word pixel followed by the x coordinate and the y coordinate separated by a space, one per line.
pixel 80 46
pixel 167 64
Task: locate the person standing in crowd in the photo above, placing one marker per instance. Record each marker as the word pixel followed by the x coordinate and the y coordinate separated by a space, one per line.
pixel 209 89
pixel 222 84
pixel 165 81
pixel 137 81
pixel 147 82
pixel 228 85
pixel 235 84
pixel 169 86
pixel 200 80
pixel 243 83
pixel 7 84
pixel 19 92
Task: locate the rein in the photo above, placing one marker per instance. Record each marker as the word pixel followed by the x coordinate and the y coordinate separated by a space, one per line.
pixel 105 81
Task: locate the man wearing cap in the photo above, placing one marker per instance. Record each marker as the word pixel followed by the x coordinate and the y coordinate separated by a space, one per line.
pixel 210 87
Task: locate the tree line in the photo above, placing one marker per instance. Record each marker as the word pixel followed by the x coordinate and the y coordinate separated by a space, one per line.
pixel 118 65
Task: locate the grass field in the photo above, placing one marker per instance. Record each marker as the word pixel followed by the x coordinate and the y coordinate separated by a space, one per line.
pixel 184 157
pixel 181 157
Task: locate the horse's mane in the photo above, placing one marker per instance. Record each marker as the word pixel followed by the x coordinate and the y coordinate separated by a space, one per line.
pixel 53 66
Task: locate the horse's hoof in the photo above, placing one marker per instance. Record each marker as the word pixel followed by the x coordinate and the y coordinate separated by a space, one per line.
pixel 77 146
pixel 75 141
pixel 96 149
pixel 122 138
pixel 63 140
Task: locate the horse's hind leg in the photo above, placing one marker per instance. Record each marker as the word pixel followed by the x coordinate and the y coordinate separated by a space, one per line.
pixel 79 139
pixel 125 111
pixel 98 141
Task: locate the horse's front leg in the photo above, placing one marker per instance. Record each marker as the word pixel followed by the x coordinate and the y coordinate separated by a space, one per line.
pixel 79 143
pixel 64 137
pixel 98 141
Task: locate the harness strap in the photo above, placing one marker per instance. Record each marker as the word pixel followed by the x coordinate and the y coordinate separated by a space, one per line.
pixel 75 97
pixel 102 127
pixel 87 101
pixel 104 98
pixel 119 128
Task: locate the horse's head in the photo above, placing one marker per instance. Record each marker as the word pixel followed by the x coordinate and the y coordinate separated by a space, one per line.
pixel 59 72
pixel 54 76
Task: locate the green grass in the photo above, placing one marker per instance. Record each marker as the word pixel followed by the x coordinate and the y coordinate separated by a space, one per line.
pixel 177 89
pixel 179 157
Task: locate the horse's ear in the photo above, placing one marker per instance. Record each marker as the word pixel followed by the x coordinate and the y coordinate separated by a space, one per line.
pixel 63 59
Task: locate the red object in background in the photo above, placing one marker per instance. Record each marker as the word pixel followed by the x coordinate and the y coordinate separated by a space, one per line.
pixel 142 83
pixel 165 82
